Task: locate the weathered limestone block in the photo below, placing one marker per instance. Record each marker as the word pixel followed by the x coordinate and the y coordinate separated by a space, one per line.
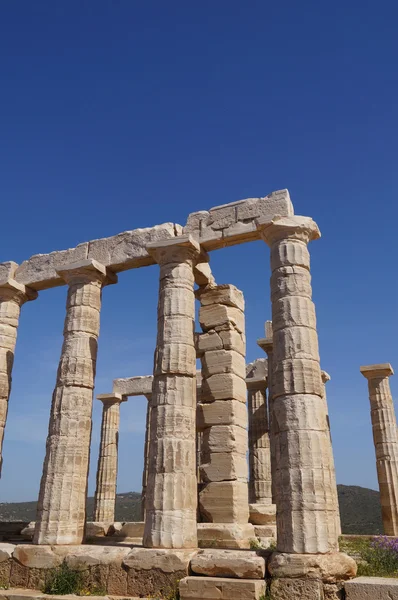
pixel 304 479
pixel 385 437
pixel 329 568
pixel 229 563
pixel 267 532
pixel 296 589
pixel 262 514
pixel 171 493
pixel 225 502
pixel 105 493
pixel 6 551
pixel 225 438
pixel 12 296
pixel 235 223
pixel 372 588
pixel 228 295
pixel 221 412
pixel 224 386
pixel 133 386
pixel 62 498
pixel 203 275
pixel 216 316
pixel 217 588
pixel 222 361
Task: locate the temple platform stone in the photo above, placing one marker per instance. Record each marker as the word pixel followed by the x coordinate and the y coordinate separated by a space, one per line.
pixel 217 588
pixel 372 588
pixel 229 563
pixel 225 535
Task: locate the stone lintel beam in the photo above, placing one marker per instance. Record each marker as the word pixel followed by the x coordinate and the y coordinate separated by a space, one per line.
pixel 133 386
pixel 376 371
pixel 221 226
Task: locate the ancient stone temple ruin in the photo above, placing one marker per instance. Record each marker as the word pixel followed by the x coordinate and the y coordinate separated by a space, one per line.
pixel 237 456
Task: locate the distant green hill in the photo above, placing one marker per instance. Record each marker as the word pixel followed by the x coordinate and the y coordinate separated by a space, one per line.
pixel 359 508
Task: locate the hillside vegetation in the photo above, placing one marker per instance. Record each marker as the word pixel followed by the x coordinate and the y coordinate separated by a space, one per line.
pixel 359 508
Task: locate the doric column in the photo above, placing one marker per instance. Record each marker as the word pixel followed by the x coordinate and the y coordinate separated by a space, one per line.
pixel 146 455
pixel 385 439
pixel 325 378
pixel 305 483
pixel 63 490
pixel 105 493
pixel 12 296
pixel 259 445
pixel 171 496
pixel 267 344
pixel 222 418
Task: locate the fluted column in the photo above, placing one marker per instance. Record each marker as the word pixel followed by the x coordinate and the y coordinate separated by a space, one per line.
pixel 305 482
pixel 267 345
pixel 63 490
pixel 385 439
pixel 259 447
pixel 12 296
pixel 105 492
pixel 146 455
pixel 171 495
pixel 325 378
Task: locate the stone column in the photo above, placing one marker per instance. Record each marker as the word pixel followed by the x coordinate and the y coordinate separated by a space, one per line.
pixel 325 378
pixel 171 498
pixel 62 500
pixel 146 455
pixel 105 493
pixel 267 345
pixel 305 482
pixel 385 439
pixel 262 513
pixel 222 418
pixel 12 296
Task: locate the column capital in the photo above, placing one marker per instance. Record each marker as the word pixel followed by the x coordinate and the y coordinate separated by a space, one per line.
pixel 266 344
pixel 291 228
pixel 10 289
pixel 176 250
pixel 111 398
pixel 377 371
pixel 325 377
pixel 86 271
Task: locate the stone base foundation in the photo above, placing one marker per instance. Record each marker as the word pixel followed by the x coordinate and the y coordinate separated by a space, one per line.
pixel 219 588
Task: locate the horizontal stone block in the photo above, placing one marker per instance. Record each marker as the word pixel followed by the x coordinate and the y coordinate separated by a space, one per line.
pixel 329 568
pixel 208 341
pixel 223 361
pixel 225 438
pixel 216 315
pixel 175 358
pixel 223 466
pixel 296 589
pixel 233 340
pixel 174 330
pixel 265 531
pixel 133 386
pixel 262 514
pixel 217 588
pixel 224 386
pixel 222 294
pixel 225 502
pixel 372 588
pixel 221 535
pixel 229 563
pixel 221 412
pixel 165 560
pixel 6 551
pixel 290 281
pixel 7 271
pixel 177 390
pixel 300 412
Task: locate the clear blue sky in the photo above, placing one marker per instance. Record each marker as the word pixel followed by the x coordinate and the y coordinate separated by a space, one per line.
pixel 123 114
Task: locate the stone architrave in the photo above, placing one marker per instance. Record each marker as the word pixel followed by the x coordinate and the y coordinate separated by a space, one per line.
pixel 171 494
pixel 222 417
pixel 146 455
pixel 62 500
pixel 325 378
pixel 305 483
pixel 105 493
pixel 385 439
pixel 12 296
